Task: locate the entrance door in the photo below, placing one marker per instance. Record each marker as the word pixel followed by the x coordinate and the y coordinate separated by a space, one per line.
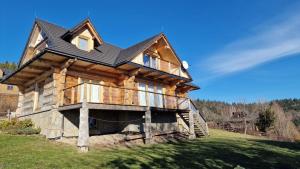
pixel 151 95
pixel 159 96
pixel 142 94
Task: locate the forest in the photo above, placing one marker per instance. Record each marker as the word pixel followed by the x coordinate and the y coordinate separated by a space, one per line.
pixel 242 117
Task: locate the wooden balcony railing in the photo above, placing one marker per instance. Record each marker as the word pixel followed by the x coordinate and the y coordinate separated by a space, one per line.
pixel 169 67
pixel 103 94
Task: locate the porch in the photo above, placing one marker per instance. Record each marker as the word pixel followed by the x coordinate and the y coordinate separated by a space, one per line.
pixel 104 97
pixel 94 109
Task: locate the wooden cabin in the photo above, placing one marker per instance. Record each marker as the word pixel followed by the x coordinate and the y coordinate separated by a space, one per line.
pixel 74 84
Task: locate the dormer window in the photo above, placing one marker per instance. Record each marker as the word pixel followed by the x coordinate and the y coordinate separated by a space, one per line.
pixel 83 43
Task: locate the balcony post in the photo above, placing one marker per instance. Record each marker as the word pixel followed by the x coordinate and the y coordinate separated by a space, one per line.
pixel 191 123
pixel 72 95
pixel 83 132
pixel 147 126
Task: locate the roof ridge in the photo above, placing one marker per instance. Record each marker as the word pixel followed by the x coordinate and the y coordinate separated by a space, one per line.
pixel 146 41
pixel 50 23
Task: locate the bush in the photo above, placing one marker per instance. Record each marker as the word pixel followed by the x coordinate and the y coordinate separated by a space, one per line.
pixel 23 131
pixel 4 124
pixel 265 119
pixel 25 123
pixel 16 126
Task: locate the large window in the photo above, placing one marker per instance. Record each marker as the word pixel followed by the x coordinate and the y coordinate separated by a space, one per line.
pixel 83 43
pixel 150 61
pixel 154 95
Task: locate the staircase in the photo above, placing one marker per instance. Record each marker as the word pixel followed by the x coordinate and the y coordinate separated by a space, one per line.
pixel 200 126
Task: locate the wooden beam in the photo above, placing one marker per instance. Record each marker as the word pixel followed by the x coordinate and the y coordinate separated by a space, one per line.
pixel 99 73
pixel 48 62
pixel 67 63
pixel 89 75
pixel 19 78
pixel 91 66
pixel 40 77
pixel 121 79
pixel 148 73
pixel 158 77
pixel 134 72
pixel 174 82
pixel 38 67
pixel 25 75
pixel 29 71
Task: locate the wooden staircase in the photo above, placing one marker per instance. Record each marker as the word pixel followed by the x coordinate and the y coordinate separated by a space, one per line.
pixel 200 127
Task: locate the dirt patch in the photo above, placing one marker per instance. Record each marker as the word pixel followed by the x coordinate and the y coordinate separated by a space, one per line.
pixel 122 140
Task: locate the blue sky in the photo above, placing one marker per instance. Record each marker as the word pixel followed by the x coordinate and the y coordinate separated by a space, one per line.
pixel 237 50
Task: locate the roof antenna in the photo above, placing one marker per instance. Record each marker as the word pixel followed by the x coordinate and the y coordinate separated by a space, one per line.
pixel 35 15
pixel 88 13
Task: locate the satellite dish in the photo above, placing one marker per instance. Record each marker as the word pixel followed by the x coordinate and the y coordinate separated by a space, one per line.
pixel 185 64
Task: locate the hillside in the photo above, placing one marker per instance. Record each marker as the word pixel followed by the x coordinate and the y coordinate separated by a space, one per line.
pixel 220 150
pixel 217 111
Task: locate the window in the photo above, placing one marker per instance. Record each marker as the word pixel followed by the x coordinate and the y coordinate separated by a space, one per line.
pixel 10 87
pixel 150 61
pixel 146 60
pixel 83 43
pixel 153 63
pixel 154 94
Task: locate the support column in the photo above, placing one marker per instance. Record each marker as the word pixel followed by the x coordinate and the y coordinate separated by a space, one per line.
pixel 147 126
pixel 83 132
pixel 191 125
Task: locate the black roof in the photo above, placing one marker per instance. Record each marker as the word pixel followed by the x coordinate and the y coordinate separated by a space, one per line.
pixel 105 53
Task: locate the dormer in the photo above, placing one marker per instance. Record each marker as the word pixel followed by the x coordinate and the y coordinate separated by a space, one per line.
pixel 83 36
pixel 83 41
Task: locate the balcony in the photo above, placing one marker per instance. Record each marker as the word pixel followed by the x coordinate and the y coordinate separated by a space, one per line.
pixel 151 64
pixel 120 96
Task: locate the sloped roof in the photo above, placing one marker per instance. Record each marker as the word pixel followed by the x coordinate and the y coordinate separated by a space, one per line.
pixel 105 53
pixel 129 53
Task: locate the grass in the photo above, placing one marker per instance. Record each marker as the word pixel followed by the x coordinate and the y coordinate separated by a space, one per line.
pixel 220 150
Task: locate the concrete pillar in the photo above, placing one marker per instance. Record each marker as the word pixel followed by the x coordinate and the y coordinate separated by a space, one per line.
pixel 191 125
pixel 147 127
pixel 83 132
pixel 54 124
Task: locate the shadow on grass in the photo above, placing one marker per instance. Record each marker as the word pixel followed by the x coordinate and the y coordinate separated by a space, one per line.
pixel 282 144
pixel 210 153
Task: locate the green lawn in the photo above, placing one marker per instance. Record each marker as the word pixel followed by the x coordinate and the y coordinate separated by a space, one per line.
pixel 220 150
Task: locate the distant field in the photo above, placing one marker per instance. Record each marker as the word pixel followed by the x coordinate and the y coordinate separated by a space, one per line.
pixel 220 150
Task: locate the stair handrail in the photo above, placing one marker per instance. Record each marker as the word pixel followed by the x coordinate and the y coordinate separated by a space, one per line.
pixel 201 116
pixel 196 110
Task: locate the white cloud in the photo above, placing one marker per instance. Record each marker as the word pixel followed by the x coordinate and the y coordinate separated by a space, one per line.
pixel 280 38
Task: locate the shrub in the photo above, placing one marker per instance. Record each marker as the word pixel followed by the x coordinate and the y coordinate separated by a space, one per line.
pixel 265 119
pixel 4 124
pixel 23 131
pixel 16 126
pixel 25 123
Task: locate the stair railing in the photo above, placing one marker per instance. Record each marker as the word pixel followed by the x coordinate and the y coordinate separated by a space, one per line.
pixel 199 117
